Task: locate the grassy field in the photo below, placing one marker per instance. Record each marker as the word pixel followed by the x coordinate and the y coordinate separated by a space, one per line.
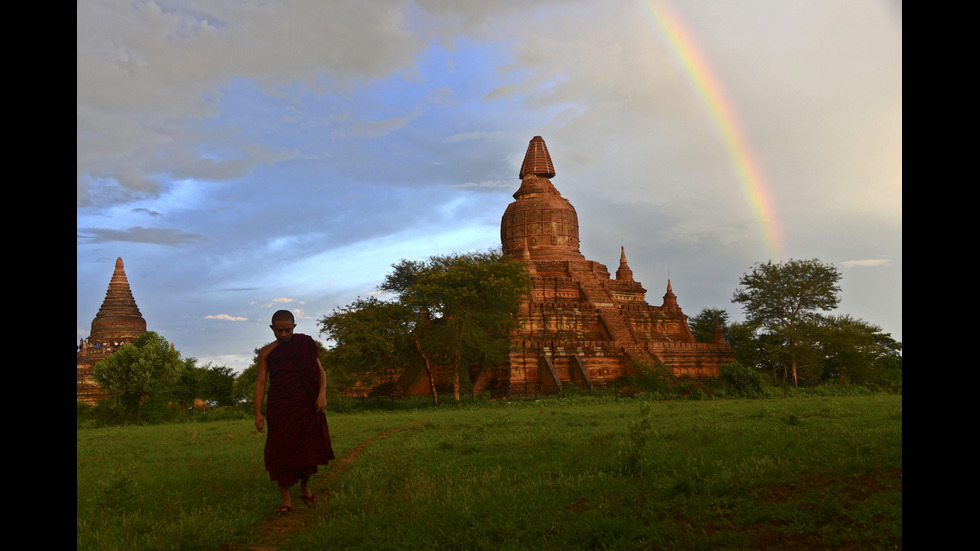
pixel 820 472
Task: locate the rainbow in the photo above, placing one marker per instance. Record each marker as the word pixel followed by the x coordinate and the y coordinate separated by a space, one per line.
pixel 712 96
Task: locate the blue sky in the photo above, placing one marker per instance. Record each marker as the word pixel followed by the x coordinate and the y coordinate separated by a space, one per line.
pixel 242 157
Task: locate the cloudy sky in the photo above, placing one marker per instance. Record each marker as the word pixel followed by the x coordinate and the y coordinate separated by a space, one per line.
pixel 246 156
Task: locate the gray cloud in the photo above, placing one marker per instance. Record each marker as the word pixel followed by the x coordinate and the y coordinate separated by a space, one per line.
pixel 138 234
pixel 148 74
pixel 871 263
pixel 146 211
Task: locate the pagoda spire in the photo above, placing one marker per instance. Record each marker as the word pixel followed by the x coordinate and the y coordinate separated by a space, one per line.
pixel 537 160
pixel 119 318
pixel 670 300
pixel 623 273
pixel 718 336
pixel 526 257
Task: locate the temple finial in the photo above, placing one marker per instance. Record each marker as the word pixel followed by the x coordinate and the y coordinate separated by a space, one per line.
pixel 718 336
pixel 526 257
pixel 623 273
pixel 670 300
pixel 537 160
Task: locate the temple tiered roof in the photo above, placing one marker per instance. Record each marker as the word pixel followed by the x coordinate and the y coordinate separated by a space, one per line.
pixel 119 318
pixel 537 160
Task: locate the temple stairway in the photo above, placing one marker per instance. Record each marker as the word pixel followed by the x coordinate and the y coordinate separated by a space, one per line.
pixel 615 323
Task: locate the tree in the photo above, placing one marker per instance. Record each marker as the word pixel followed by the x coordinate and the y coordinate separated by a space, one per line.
pixel 243 389
pixel 449 311
pixel 780 298
pixel 742 379
pixel 754 349
pixel 146 368
pixel 703 323
pixel 370 337
pixel 211 383
pixel 857 350
pixel 215 384
pixel 185 389
pixel 472 300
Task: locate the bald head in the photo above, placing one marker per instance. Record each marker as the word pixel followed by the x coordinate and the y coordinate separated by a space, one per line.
pixel 284 316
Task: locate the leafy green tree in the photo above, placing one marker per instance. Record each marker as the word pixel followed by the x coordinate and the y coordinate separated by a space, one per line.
pixel 146 368
pixel 741 336
pixel 807 352
pixel 243 389
pixel 472 300
pixel 215 384
pixel 185 390
pixel 779 298
pixel 743 379
pixel 373 339
pixel 449 311
pixel 703 323
pixel 211 383
pixel 370 337
pixel 856 350
pixel 754 349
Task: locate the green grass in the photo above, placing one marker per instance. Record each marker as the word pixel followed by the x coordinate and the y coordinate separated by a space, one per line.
pixel 581 473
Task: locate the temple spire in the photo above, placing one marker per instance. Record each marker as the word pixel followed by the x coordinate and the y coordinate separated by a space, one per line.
pixel 537 160
pixel 119 318
pixel 670 300
pixel 623 273
pixel 718 336
pixel 526 257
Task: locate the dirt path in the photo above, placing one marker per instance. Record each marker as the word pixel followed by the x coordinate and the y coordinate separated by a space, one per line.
pixel 280 526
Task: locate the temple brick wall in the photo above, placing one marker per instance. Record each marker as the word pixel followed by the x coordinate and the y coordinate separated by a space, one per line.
pixel 88 391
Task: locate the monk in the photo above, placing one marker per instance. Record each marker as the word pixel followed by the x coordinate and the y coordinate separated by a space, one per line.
pixel 298 438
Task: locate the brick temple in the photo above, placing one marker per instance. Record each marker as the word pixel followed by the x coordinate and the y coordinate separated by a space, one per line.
pixel 581 325
pixel 117 322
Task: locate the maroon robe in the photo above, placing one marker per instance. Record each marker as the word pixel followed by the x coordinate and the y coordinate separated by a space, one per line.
pixel 298 439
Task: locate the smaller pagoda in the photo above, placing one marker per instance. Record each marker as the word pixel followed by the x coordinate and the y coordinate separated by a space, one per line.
pixel 117 322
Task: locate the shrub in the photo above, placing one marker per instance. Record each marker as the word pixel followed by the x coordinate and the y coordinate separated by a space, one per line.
pixel 743 380
pixel 694 390
pixel 638 433
pixel 651 378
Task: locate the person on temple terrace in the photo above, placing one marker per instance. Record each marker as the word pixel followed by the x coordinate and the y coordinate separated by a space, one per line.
pixel 298 439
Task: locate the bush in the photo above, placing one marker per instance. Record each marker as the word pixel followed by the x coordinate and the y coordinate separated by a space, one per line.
pixel 743 380
pixel 100 415
pixel 657 378
pixel 638 433
pixel 693 390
